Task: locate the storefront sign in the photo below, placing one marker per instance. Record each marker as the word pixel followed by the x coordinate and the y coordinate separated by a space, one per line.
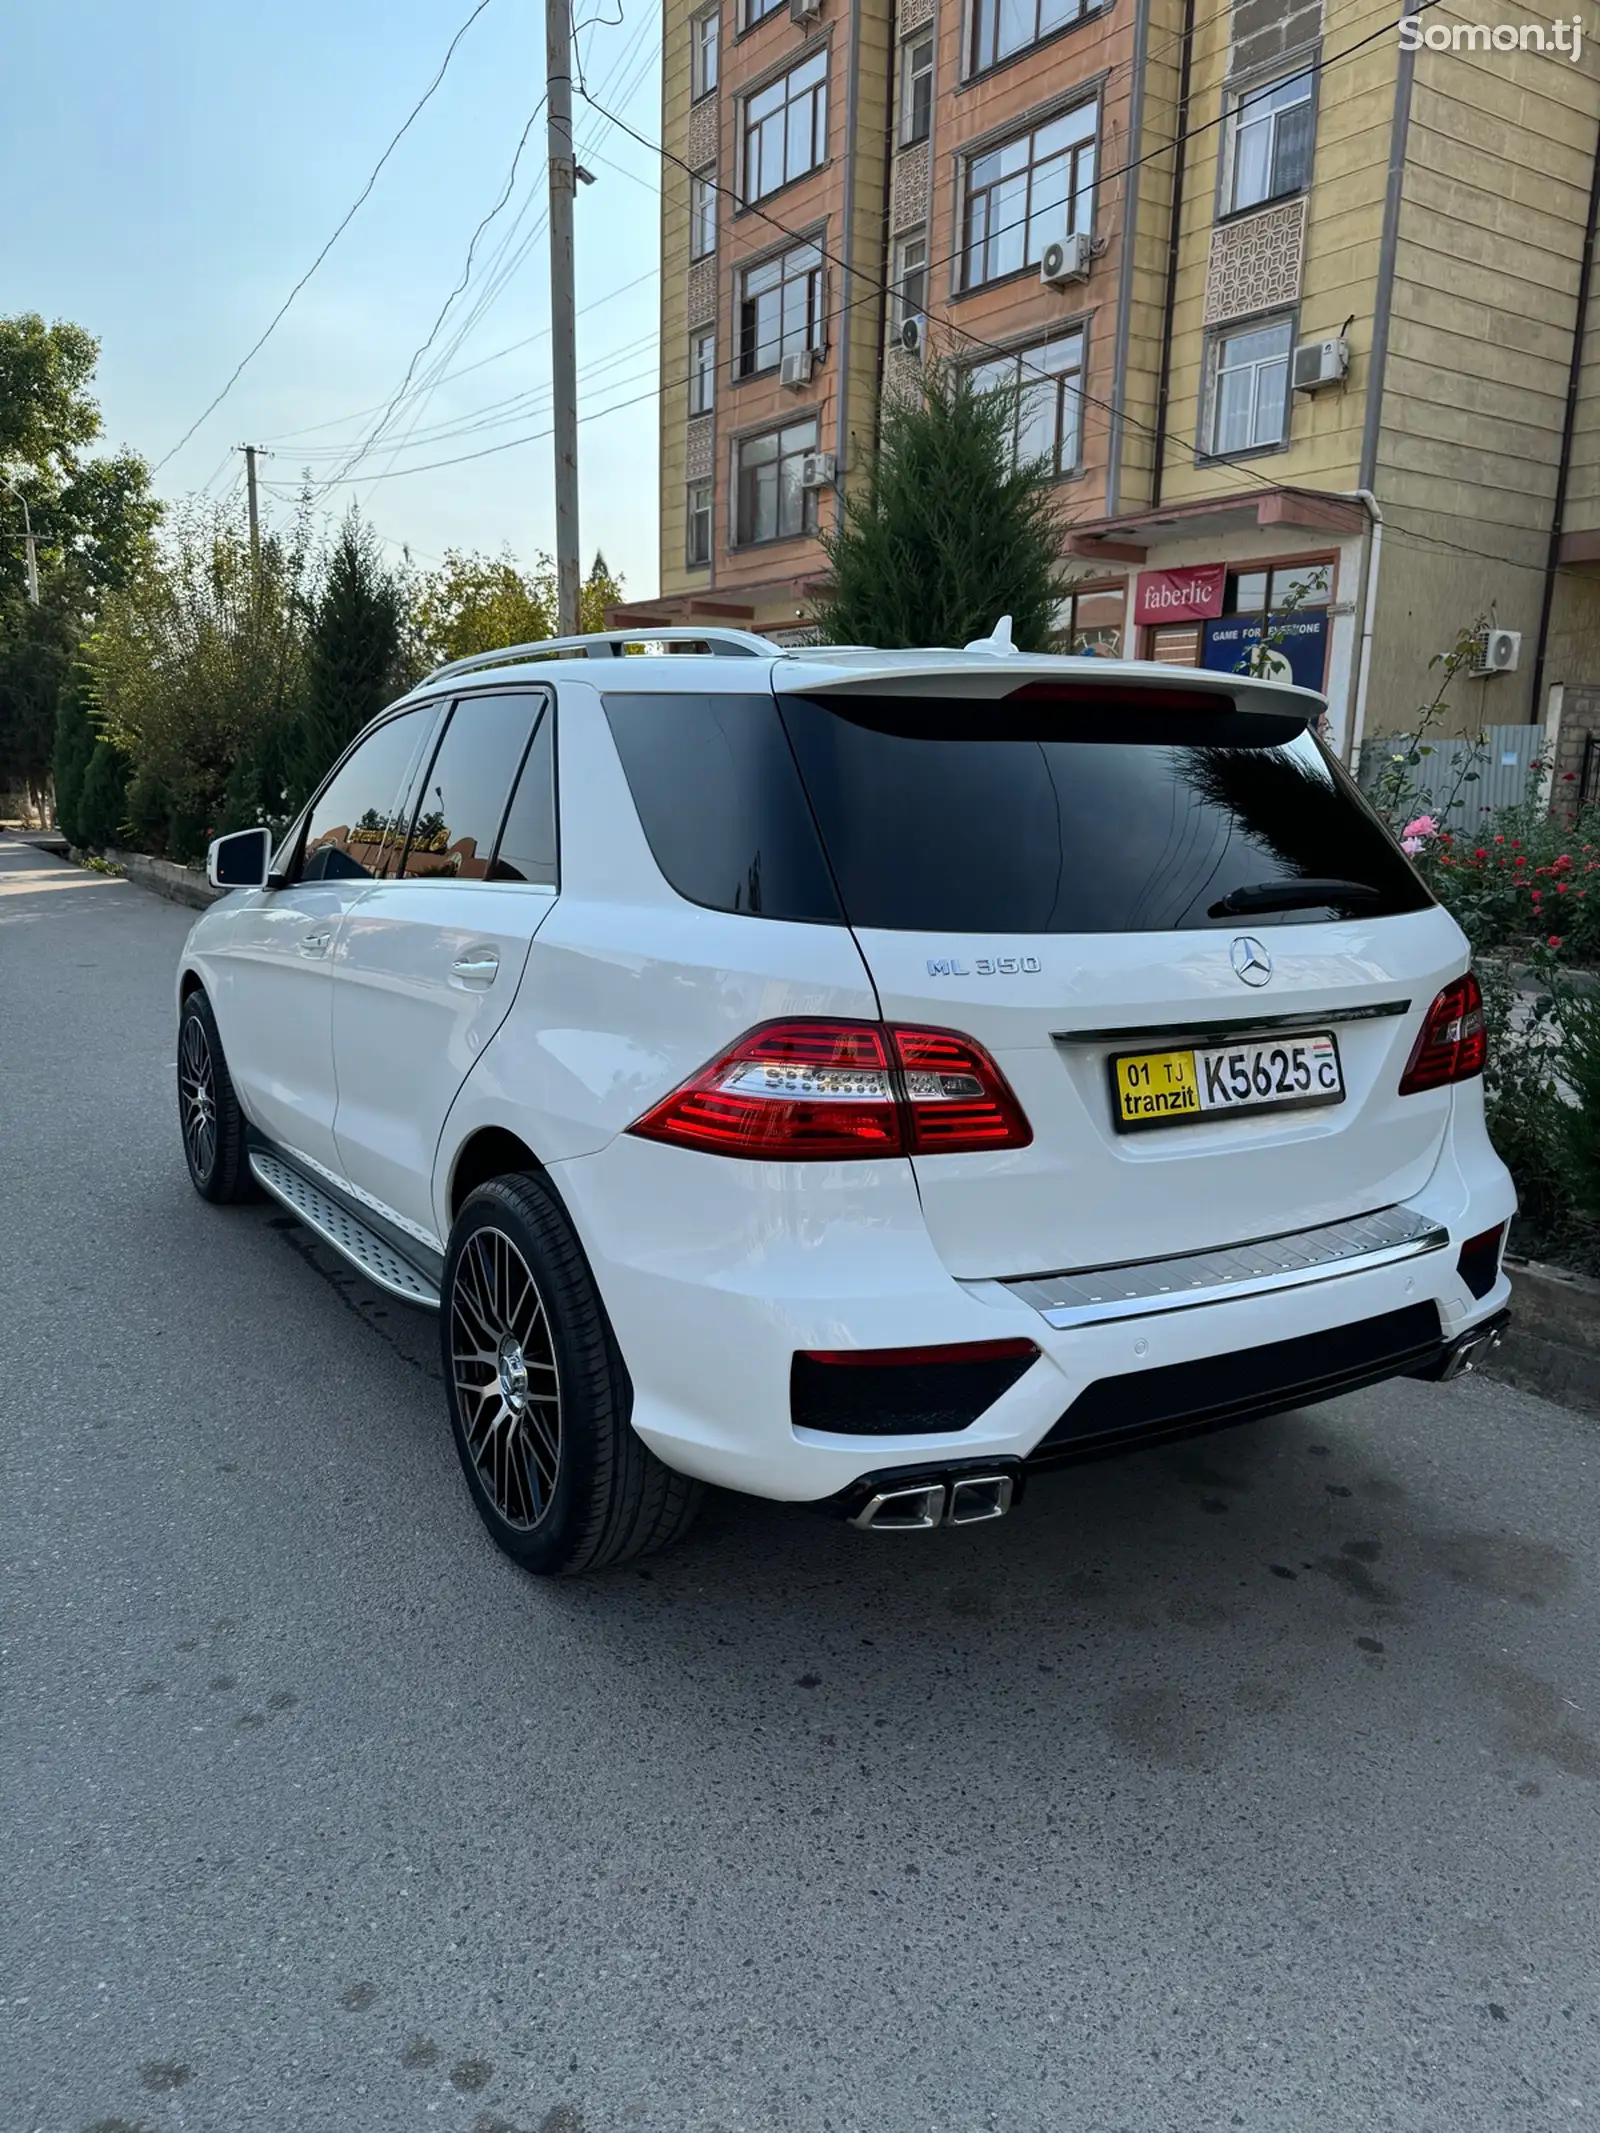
pixel 1187 595
pixel 1296 646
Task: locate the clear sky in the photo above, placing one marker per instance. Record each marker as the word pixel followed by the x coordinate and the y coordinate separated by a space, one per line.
pixel 170 168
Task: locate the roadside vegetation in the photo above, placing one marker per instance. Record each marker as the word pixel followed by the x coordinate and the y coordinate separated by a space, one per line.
pixel 1524 884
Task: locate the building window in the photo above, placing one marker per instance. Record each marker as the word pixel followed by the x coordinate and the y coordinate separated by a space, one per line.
pixel 916 89
pixel 702 213
pixel 697 531
pixel 1250 389
pixel 1279 591
pixel 769 503
pixel 1047 379
pixel 1268 150
pixel 1091 622
pixel 758 10
pixel 786 128
pixel 705 42
pixel 702 371
pixel 780 309
pixel 1027 193
pixel 1001 27
pixel 910 277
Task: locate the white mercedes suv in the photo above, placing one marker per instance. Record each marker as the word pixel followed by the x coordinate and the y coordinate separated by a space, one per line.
pixel 857 1078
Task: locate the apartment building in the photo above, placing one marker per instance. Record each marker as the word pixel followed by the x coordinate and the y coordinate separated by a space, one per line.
pixel 1301 305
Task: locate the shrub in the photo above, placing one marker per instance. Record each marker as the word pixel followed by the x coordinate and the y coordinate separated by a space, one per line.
pixel 75 738
pixel 100 809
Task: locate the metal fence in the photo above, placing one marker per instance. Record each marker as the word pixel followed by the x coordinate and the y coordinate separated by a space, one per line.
pixel 1504 763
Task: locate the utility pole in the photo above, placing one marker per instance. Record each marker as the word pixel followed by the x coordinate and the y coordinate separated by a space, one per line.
pixel 563 338
pixel 251 453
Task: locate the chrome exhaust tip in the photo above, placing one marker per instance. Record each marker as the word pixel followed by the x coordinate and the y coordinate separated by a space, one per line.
pixel 1471 1353
pixel 976 1498
pixel 916 1510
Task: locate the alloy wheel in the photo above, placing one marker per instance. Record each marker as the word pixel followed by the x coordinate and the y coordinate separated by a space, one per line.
pixel 197 1097
pixel 507 1385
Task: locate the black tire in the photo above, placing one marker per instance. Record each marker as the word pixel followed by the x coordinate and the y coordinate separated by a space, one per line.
pixel 562 1482
pixel 209 1119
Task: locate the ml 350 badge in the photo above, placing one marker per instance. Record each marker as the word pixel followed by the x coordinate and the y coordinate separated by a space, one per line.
pixel 1181 1088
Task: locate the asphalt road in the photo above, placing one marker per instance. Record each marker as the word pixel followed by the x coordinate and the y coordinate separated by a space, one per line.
pixel 1251 1785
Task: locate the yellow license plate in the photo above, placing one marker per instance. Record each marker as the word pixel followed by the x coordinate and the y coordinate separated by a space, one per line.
pixel 1270 1073
pixel 1153 1088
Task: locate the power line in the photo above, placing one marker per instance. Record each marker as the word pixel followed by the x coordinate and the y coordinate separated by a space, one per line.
pixel 501 267
pixel 465 276
pixel 512 348
pixel 349 216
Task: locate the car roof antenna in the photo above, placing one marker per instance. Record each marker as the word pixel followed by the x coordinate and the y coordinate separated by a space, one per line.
pixel 999 643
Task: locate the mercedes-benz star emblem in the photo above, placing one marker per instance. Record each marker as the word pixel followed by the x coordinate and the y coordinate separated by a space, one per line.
pixel 1250 961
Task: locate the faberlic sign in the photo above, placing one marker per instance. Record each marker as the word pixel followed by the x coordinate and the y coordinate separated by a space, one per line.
pixel 1193 594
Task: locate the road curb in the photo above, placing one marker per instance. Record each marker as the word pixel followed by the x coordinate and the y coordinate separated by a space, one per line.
pixel 1553 1344
pixel 179 885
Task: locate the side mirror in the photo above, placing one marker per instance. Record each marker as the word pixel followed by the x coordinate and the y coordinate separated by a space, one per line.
pixel 240 861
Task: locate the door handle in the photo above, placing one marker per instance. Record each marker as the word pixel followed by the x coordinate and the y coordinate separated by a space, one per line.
pixel 314 943
pixel 479 966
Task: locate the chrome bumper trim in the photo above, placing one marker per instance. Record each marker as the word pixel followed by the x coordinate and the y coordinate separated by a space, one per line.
pixel 1088 1296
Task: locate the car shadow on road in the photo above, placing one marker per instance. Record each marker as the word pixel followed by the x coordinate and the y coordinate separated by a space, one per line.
pixel 1300 1575
pixel 1172 1604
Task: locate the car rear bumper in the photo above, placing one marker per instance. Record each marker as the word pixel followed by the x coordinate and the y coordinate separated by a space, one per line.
pixel 716 1273
pixel 1192 1404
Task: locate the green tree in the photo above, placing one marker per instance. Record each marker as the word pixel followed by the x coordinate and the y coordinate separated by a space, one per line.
pixel 100 804
pixel 355 651
pixel 948 532
pixel 75 739
pixel 91 518
pixel 198 668
pixel 478 603
pixel 598 591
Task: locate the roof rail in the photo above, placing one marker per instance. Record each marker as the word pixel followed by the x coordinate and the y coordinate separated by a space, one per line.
pixel 602 644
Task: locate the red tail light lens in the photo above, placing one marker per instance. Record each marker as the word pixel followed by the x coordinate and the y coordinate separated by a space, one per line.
pixel 794 1091
pixel 1453 1041
pixel 798 1092
pixel 956 1097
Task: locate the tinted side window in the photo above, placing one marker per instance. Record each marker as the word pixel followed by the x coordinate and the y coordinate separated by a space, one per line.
pixel 1070 816
pixel 721 803
pixel 528 841
pixel 464 794
pixel 357 826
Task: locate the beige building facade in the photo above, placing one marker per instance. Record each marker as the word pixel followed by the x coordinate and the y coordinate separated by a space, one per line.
pixel 1301 302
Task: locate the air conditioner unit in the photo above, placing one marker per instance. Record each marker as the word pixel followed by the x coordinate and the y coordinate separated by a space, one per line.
pixel 795 370
pixel 912 339
pixel 1066 260
pixel 1319 363
pixel 1498 652
pixel 804 10
pixel 817 470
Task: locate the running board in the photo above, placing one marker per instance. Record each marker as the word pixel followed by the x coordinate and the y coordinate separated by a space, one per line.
pixel 346 1233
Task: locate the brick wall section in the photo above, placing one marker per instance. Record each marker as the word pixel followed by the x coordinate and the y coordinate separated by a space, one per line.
pixel 1263 30
pixel 1580 719
pixel 703 118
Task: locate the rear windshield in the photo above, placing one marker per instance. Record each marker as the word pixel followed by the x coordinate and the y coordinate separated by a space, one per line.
pixel 937 815
pixel 1066 817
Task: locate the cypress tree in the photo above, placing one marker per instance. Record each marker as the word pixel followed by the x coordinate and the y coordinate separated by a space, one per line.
pixel 948 532
pixel 354 651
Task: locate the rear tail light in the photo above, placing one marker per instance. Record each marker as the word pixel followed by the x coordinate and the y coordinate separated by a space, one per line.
pixel 817 1091
pixel 1452 1043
